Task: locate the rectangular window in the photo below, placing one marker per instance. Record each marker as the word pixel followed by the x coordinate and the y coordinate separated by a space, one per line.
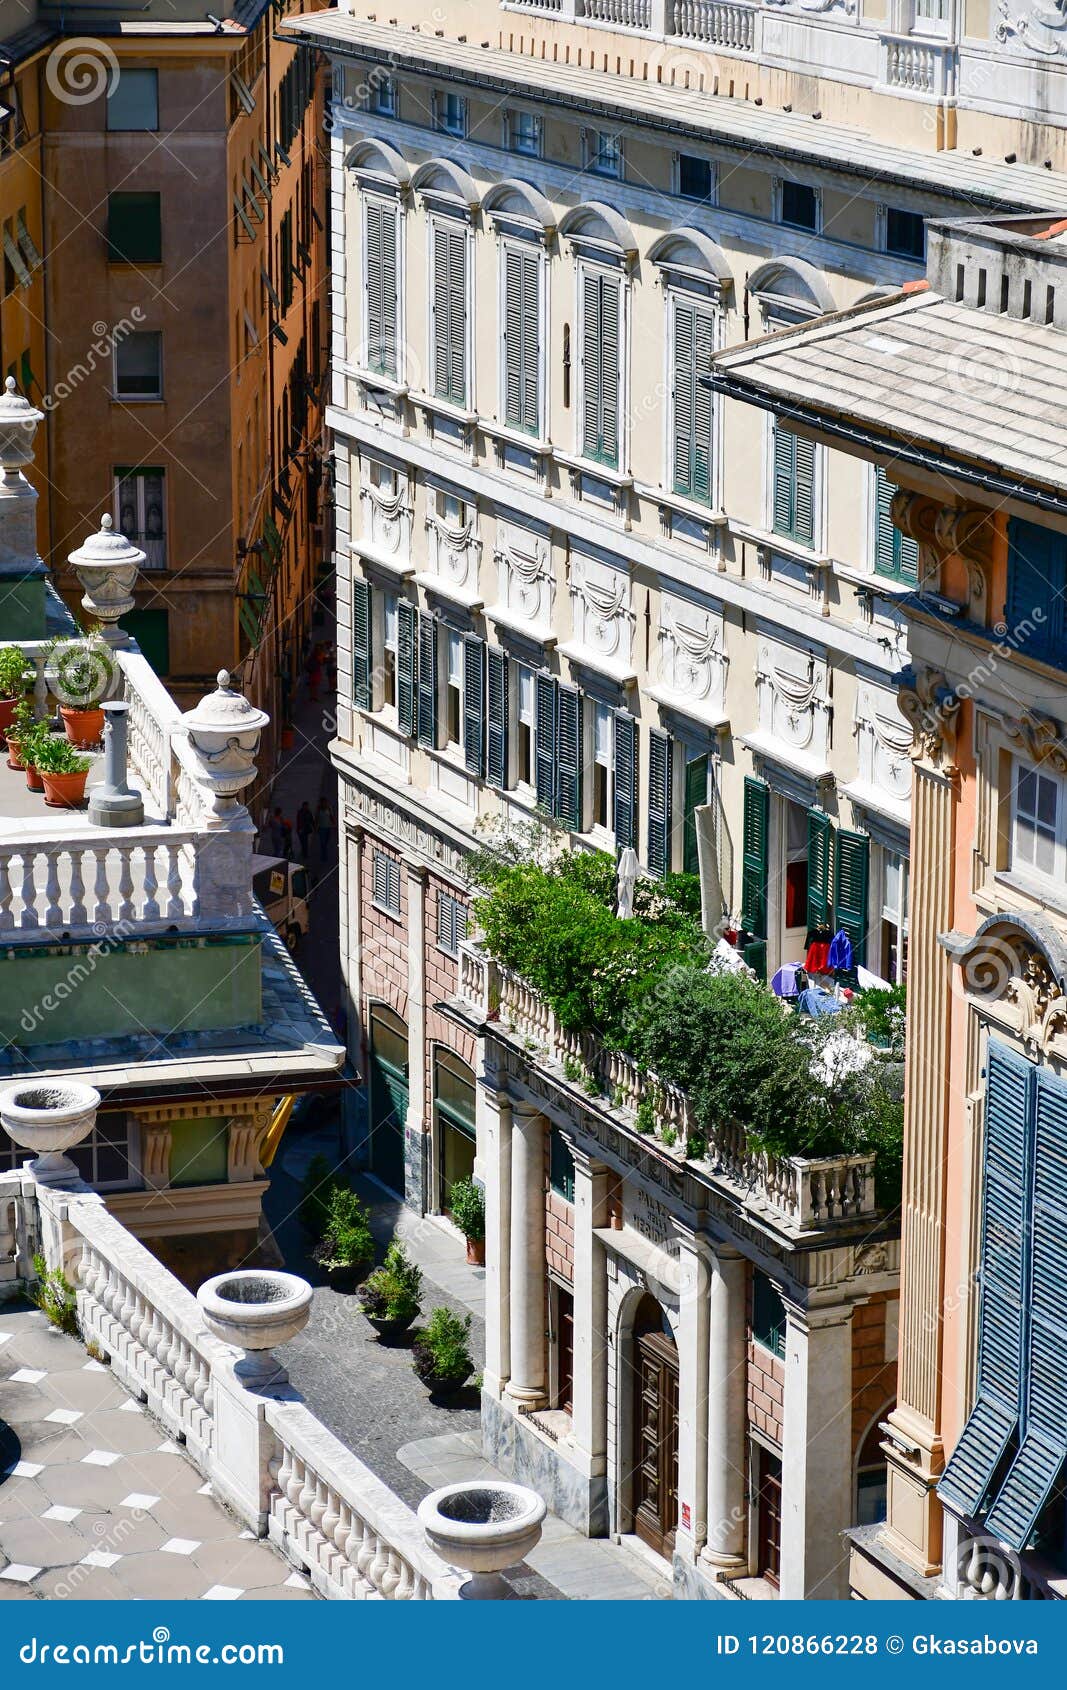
pixel 695 796
pixel 768 1314
pixel 525 727
pixel 905 234
pixel 600 328
pixel 605 154
pixel 474 704
pixel 407 640
pixel 694 344
pixel 134 229
pixel 496 717
pixel 560 1166
pixel 800 206
pixel 625 772
pixel 454 689
pixel 451 923
pixel 696 178
pixel 894 965
pixel 389 650
pixel 451 113
pixel 569 757
pixel 133 101
pixel 522 339
pixel 141 512
pixel 525 133
pixel 793 491
pixel 896 557
pixel 381 271
pixel 382 95
pixel 603 766
pixel 450 313
pixel 426 681
pixel 139 366
pixel 386 871
pixel 755 872
pixel 1037 823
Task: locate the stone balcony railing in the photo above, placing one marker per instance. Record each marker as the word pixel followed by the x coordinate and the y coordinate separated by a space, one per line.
pixel 262 1450
pixel 733 26
pixel 804 1193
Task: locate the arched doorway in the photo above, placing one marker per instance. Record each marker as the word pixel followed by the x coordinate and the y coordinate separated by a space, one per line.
pixel 388 1099
pixel 454 1095
pixel 655 1428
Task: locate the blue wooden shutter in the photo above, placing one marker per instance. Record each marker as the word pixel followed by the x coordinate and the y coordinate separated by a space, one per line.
pixel 474 704
pixel 852 862
pixel 820 863
pixel 1037 582
pixel 569 757
pixel 993 1420
pixel 625 781
pixel 545 744
pixel 496 718
pixel 660 771
pixel 427 681
pixel 406 665
pixel 361 646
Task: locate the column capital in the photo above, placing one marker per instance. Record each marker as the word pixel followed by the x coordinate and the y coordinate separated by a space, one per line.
pixel 416 871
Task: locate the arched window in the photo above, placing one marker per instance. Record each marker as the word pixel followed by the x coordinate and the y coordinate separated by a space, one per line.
pixel 451 198
pixel 604 247
pixel 454 1095
pixel 695 274
pixel 870 1503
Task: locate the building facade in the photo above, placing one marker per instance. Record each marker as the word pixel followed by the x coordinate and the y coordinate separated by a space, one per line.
pixel 975 1446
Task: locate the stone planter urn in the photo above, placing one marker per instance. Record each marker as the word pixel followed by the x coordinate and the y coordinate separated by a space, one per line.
pixel 482 1526
pixel 223 733
pixel 48 1117
pixel 254 1309
pixel 106 567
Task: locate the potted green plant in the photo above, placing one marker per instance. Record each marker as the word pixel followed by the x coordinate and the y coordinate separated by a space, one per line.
pixel 28 744
pixel 16 679
pixel 346 1248
pixel 390 1296
pixel 62 770
pixel 22 725
pixel 80 672
pixel 466 1205
pixel 441 1352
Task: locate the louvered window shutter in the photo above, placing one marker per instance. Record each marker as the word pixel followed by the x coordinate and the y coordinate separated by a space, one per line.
pixel 852 860
pixel 784 471
pixel 441 340
pixel 804 509
pixel 609 371
pixel 1037 583
pixel 703 350
pixel 894 554
pixel 754 848
pixel 591 348
pixel 569 757
pixel 496 732
pixel 625 780
pixel 390 329
pixel 457 316
pixel 381 288
pixel 820 863
pixel 474 704
pixel 995 1416
pixel 531 344
pixel 683 398
pixel 361 646
pixel 513 337
pixel 545 744
pixel 660 771
pixel 427 681
pixel 696 794
pixel 406 665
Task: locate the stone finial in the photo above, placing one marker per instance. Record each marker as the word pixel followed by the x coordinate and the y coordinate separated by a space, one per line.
pixel 18 425
pixel 106 567
pixel 223 733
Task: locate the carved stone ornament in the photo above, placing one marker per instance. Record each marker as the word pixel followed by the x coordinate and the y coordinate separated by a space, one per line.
pixel 1010 976
pixel 1040 739
pixel 932 709
pixel 1035 28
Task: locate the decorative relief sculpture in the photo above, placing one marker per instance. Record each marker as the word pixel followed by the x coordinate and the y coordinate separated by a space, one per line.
pixel 932 709
pixel 455 549
pixel 1037 28
pixel 524 570
pixel 692 659
pixel 600 607
pixel 794 703
pixel 884 737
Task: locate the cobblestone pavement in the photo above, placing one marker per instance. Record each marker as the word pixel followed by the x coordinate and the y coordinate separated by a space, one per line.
pixel 96 1503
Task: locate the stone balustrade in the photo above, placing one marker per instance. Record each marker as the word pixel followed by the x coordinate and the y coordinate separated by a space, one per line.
pixel 807 1193
pixel 926 69
pixel 730 26
pixel 92 883
pixel 262 1450
pixel 618 14
pixel 715 23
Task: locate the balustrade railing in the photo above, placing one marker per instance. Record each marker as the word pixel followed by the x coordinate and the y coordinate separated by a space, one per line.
pixel 152 719
pixel 717 23
pixel 18 1238
pixel 914 66
pixel 807 1192
pixel 621 14
pixel 95 883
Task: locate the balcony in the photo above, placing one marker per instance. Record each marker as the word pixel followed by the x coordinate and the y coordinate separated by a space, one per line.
pixel 801 1196
pixel 923 69
pixel 731 26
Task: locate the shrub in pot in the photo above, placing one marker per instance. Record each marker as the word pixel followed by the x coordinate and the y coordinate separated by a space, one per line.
pixel 346 1248
pixel 441 1352
pixel 466 1205
pixel 80 673
pixel 28 747
pixel 16 679
pixel 21 728
pixel 62 771
pixel 390 1296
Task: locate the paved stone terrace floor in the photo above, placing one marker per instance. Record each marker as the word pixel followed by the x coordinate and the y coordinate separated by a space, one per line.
pixel 96 1503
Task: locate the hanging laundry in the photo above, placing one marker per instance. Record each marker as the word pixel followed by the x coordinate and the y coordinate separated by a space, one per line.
pixel 841 952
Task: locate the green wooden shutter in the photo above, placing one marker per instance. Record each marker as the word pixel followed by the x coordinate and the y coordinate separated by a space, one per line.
pixel 895 555
pixel 450 313
pixel 496 715
pixel 703 351
pixel 696 794
pixel 569 757
pixel 683 398
pixel 660 772
pixel 474 704
pixel 521 340
pixel 591 343
pixel 441 359
pixel 625 780
pixel 406 665
pixel 804 497
pixel 820 863
pixel 995 1416
pixel 852 861
pixel 545 744
pixel 754 857
pixel 609 371
pixel 361 646
pixel 381 288
pixel 426 678
pixel 531 343
pixel 784 471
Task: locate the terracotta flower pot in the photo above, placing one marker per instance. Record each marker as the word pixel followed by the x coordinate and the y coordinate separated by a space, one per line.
pixel 14 755
pixel 476 1252
pixel 84 727
pixel 65 792
pixel 33 779
pixel 8 706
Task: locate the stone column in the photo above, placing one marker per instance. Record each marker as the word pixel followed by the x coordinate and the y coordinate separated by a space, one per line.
pixel 527 1382
pixel 590 1293
pixel 816 1453
pixel 694 1311
pixel 916 1455
pixel 727 1509
pixel 494 1152
pixel 415 1196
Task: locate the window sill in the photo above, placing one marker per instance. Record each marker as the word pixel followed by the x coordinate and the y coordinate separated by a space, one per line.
pixel 869 581
pixel 584 657
pixel 712 515
pixel 595 471
pixel 534 443
pixel 809 556
pixel 445 408
pixel 394 915
pixel 443 588
pixel 136 398
pixel 1027 890
pixel 378 383
pixel 402 569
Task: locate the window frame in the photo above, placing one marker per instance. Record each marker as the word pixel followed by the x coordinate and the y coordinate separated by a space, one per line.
pixel 373 203
pixel 390 867
pixel 510 132
pixel 139 535
pixel 769 1337
pixel 136 259
pixel 452 916
pixel 892 211
pixel 440 226
pixel 126 79
pixel 681 298
pixel 711 165
pixel 1048 880
pixel 524 251
pixel 595 153
pixel 812 228
pixel 145 398
pixel 442 97
pixel 586 268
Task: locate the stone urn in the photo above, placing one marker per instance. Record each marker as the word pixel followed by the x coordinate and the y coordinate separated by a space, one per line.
pixel 106 567
pixel 48 1117
pixel 482 1526
pixel 223 734
pixel 255 1309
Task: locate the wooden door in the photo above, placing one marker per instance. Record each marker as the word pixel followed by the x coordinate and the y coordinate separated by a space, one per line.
pixel 388 1097
pixel 564 1350
pixel 655 1499
pixel 770 1516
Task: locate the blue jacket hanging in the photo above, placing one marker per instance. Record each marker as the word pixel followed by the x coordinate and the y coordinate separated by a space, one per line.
pixel 840 951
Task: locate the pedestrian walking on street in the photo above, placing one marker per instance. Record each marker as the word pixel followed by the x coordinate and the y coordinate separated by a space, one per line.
pixel 305 825
pixel 277 833
pixel 324 823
